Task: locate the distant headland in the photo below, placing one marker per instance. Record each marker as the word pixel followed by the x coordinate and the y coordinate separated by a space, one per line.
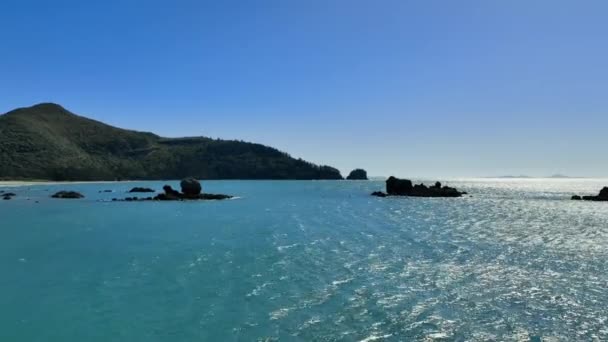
pixel 357 174
pixel 47 142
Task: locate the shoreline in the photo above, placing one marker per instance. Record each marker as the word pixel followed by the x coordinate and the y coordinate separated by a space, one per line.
pixel 43 182
pixel 18 183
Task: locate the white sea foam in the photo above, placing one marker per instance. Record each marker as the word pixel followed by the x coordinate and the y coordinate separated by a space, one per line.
pixel 280 313
pixel 282 248
pixel 376 337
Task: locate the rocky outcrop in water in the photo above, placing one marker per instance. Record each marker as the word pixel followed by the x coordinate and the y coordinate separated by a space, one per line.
pixel 191 190
pixel 357 174
pixel 601 197
pixel 191 186
pixel 67 194
pixel 405 187
pixel 7 196
pixel 379 194
pixel 139 189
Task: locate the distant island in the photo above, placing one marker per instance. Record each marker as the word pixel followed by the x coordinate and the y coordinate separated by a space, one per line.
pixel 357 174
pixel 560 176
pixel 510 176
pixel 47 142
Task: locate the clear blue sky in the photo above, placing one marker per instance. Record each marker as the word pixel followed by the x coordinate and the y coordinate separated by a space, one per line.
pixel 411 88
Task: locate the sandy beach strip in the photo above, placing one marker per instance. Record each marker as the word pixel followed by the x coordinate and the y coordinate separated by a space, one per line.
pixel 28 183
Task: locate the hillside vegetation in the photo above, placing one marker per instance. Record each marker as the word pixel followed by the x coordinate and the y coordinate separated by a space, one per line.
pixel 48 142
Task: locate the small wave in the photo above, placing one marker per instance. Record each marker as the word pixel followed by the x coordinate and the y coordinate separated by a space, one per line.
pixel 375 337
pixel 281 313
pixel 340 282
pixel 314 320
pixel 256 291
pixel 281 248
pixel 438 336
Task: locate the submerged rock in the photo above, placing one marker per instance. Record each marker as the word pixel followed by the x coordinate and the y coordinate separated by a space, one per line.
pixel 67 194
pixel 138 189
pixel 214 196
pixel 357 174
pixel 405 187
pixel 601 197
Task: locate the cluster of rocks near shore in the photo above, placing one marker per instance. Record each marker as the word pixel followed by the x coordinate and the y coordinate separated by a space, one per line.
pixel 7 195
pixel 191 189
pixel 602 197
pixel 140 189
pixel 68 195
pixel 405 187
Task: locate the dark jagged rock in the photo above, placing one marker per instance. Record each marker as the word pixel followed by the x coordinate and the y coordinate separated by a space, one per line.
pixel 404 187
pixel 191 190
pixel 601 197
pixel 191 186
pixel 357 174
pixel 576 198
pixel 139 189
pixel 8 196
pixel 379 194
pixel 68 194
pixel 171 194
pixel 398 187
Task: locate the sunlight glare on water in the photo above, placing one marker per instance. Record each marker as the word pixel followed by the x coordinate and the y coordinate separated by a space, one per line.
pixel 301 261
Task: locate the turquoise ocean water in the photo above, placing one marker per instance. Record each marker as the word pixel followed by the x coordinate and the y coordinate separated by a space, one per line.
pixel 306 261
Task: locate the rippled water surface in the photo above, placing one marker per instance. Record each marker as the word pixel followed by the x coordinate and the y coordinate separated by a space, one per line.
pixel 304 261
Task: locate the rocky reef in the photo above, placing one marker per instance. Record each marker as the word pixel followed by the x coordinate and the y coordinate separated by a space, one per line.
pixel 139 189
pixel 191 189
pixel 7 195
pixel 357 174
pixel 601 197
pixel 405 187
pixel 67 194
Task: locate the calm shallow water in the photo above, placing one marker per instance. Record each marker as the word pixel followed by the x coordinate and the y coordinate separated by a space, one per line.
pixel 302 261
